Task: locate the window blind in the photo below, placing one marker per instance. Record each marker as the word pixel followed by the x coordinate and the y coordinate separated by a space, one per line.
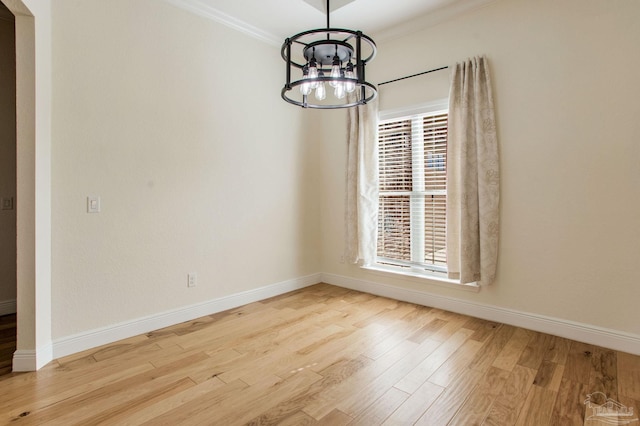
pixel 396 181
pixel 412 197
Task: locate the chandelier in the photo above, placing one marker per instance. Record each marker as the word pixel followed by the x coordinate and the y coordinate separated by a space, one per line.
pixel 328 60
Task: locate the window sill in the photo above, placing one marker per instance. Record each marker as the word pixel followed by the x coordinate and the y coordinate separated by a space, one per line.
pixel 434 278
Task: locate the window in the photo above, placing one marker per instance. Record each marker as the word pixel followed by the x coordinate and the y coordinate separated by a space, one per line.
pixel 412 154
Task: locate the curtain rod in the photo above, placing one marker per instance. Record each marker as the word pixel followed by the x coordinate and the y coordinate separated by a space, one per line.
pixel 414 75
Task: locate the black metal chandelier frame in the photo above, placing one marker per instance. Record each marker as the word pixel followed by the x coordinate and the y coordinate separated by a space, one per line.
pixel 325 49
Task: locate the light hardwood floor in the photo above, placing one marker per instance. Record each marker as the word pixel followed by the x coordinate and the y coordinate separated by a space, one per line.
pixel 328 356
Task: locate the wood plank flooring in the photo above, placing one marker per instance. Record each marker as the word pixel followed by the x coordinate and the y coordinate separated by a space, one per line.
pixel 325 356
pixel 7 342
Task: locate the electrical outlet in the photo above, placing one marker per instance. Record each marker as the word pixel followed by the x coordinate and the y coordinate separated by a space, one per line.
pixel 192 279
pixel 341 258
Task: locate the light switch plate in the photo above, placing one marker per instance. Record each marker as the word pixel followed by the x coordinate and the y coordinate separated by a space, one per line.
pixel 93 204
pixel 6 203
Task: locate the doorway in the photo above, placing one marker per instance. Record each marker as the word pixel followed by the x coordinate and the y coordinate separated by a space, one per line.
pixel 8 190
pixel 33 182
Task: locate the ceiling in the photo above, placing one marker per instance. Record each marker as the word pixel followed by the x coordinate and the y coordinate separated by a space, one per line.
pixel 274 20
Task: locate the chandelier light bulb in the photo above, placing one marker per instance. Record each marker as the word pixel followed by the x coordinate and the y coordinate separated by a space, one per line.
pixel 335 71
pixel 339 91
pixel 321 92
pixel 305 88
pixel 313 72
pixel 350 85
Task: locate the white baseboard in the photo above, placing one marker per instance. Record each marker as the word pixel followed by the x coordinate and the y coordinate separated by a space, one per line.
pixel 7 307
pixel 32 360
pixel 612 339
pixel 98 337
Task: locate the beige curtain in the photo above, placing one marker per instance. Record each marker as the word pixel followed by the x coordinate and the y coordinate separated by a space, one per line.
pixel 472 175
pixel 362 183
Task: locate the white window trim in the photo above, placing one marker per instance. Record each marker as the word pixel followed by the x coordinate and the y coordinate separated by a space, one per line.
pixel 441 105
pixel 439 278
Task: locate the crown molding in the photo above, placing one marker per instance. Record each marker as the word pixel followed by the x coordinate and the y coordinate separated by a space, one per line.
pixel 206 11
pixel 433 18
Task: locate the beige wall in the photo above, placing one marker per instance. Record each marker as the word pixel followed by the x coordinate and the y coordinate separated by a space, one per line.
pixel 246 194
pixel 176 123
pixel 7 155
pixel 565 80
